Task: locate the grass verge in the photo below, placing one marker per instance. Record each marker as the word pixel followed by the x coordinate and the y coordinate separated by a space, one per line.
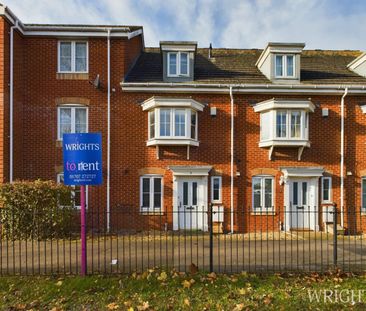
pixel 171 290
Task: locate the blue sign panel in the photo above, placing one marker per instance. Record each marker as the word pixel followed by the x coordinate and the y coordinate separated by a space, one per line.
pixel 82 153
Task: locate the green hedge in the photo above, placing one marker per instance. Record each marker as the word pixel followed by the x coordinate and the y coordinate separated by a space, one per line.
pixel 36 210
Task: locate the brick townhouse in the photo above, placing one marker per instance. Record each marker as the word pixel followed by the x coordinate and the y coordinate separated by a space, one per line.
pixel 264 134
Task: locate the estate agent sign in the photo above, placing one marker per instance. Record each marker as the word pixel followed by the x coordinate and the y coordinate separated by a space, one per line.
pixel 82 154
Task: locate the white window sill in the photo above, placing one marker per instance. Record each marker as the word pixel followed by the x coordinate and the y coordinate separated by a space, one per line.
pixel 263 213
pixel 172 142
pixel 72 72
pixel 151 212
pixel 285 143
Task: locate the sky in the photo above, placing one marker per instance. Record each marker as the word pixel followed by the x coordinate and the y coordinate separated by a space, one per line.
pixel 320 24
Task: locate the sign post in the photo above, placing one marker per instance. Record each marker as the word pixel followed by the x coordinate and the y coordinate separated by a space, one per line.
pixel 82 157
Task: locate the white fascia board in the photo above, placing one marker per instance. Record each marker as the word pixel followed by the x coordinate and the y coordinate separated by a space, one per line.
pixel 182 170
pixel 357 61
pixel 172 142
pixel 299 89
pixel 302 171
pixel 74 34
pixel 284 104
pixel 157 101
pixel 185 48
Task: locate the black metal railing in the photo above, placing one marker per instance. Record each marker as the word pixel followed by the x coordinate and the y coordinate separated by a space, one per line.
pixel 261 241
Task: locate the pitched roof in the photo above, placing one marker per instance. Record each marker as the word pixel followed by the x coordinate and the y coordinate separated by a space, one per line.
pixel 238 66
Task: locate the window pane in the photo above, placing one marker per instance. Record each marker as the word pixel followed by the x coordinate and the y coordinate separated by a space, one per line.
pixel 146 192
pixel 172 63
pixel 80 120
pixel 194 193
pixel 180 123
pixel 193 124
pixel 157 192
pixel 304 193
pixel 279 66
pixel 296 124
pixel 152 123
pixel 65 56
pixel 65 121
pixel 80 56
pixel 268 192
pixel 184 63
pixel 326 188
pixel 76 195
pixel 185 193
pixel 281 123
pixel 295 193
pixel 256 192
pixel 265 125
pixel 290 65
pixel 216 189
pixel 164 122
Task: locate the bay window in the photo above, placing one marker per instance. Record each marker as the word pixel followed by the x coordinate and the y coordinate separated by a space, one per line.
pixel 172 123
pixel 262 193
pixel 151 193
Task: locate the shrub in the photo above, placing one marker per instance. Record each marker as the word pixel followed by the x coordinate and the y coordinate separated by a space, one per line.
pixel 36 210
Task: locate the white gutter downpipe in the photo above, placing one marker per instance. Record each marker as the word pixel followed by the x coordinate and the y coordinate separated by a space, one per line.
pixel 11 102
pixel 342 155
pixel 232 162
pixel 108 128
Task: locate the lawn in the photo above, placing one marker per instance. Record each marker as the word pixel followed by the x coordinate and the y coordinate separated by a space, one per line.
pixel 171 290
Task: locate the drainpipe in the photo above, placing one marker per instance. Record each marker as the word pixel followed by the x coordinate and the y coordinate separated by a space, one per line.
pixel 342 155
pixel 232 161
pixel 11 101
pixel 108 128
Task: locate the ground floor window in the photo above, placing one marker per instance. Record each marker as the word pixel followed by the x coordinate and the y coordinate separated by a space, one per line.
pixel 262 193
pixel 363 193
pixel 216 186
pixel 326 189
pixel 75 193
pixel 151 193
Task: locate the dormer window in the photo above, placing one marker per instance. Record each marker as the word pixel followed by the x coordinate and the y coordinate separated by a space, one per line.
pixel 172 121
pixel 178 64
pixel 178 60
pixel 280 62
pixel 284 66
pixel 284 123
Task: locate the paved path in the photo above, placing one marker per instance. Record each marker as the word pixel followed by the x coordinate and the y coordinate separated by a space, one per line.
pixel 231 253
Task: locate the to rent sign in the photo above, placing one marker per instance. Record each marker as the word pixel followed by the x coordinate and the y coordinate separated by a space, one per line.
pixel 82 154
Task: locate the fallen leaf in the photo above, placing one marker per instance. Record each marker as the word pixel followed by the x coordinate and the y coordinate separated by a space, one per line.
pixel 239 307
pixel 187 302
pixel 186 284
pixel 163 276
pixel 144 306
pixel 112 306
pixel 59 283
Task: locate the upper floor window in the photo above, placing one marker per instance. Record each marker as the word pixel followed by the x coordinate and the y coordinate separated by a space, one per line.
pixel 72 56
pixel 284 66
pixel 262 193
pixel 178 64
pixel 72 119
pixel 173 123
pixel 151 192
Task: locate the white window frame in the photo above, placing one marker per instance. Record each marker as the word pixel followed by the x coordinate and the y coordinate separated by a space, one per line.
pixel 178 64
pixel 78 207
pixel 188 114
pixel 330 200
pixel 151 207
pixel 284 65
pixel 262 208
pixel 73 56
pixel 73 107
pixel 219 200
pixel 304 119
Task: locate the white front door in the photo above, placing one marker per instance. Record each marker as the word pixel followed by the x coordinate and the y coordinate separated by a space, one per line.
pixel 191 203
pixel 300 208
